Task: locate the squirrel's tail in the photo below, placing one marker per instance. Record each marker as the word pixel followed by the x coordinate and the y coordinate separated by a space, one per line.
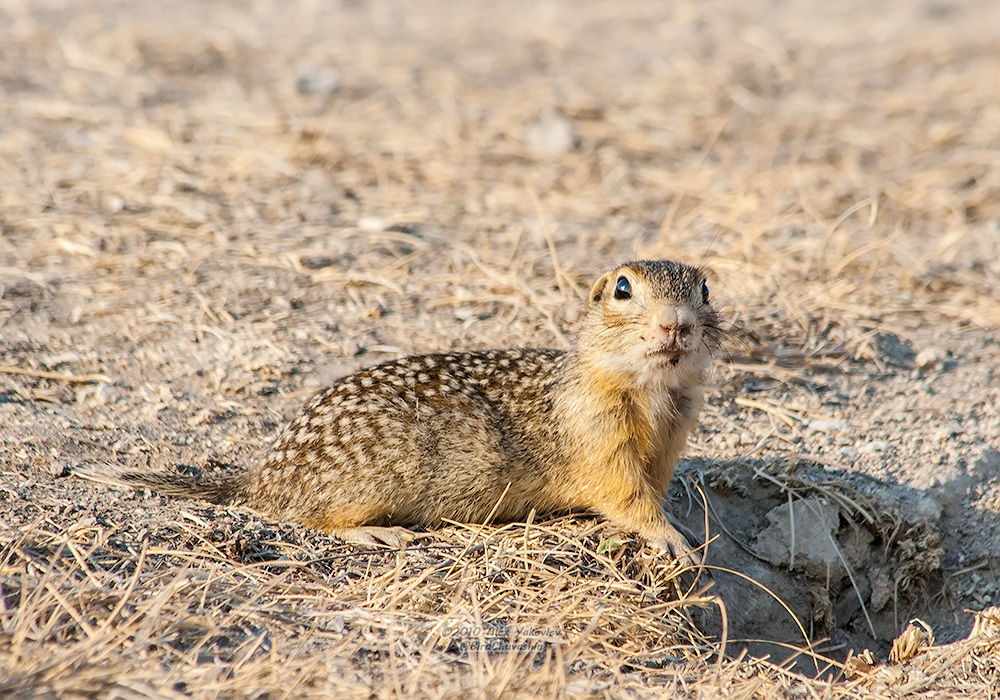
pixel 214 488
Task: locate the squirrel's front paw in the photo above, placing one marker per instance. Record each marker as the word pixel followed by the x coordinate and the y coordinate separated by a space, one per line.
pixel 675 545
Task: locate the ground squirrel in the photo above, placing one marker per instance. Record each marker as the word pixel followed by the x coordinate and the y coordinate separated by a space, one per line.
pixel 464 435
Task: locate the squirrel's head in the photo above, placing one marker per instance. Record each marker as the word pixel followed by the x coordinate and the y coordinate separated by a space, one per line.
pixel 647 319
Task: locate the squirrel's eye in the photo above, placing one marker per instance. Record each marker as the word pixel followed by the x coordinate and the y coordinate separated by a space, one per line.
pixel 623 290
pixel 704 291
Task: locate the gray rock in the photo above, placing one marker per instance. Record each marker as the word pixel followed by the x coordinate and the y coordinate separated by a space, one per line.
pixel 802 536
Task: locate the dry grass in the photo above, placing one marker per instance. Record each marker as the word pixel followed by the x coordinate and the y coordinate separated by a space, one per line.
pixel 519 608
pixel 513 611
pixel 195 234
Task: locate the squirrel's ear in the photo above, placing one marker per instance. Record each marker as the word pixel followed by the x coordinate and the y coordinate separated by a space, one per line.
pixel 597 291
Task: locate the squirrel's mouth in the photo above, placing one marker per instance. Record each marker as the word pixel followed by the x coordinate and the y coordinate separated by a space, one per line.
pixel 667 354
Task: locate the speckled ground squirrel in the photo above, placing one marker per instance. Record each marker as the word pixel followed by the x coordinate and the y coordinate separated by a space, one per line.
pixel 457 435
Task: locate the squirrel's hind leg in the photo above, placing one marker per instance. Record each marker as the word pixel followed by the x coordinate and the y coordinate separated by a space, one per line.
pixel 371 535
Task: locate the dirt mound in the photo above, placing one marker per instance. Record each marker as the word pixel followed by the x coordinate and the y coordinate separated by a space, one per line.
pixel 812 557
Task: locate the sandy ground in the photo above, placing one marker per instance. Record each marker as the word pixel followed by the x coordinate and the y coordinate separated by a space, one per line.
pixel 208 211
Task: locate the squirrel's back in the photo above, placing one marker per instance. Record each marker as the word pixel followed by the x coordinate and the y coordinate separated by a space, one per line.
pixel 431 435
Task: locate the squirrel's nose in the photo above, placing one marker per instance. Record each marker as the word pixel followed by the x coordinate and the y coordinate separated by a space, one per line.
pixel 677 321
pixel 681 330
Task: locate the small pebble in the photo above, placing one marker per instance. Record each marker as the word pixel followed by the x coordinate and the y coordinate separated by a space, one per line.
pixel 822 425
pixel 929 357
pixel 372 224
pixel 894 350
pixel 875 446
pixel 550 135
pixel 946 433
pixel 318 83
pixel 99 395
pixel 336 624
